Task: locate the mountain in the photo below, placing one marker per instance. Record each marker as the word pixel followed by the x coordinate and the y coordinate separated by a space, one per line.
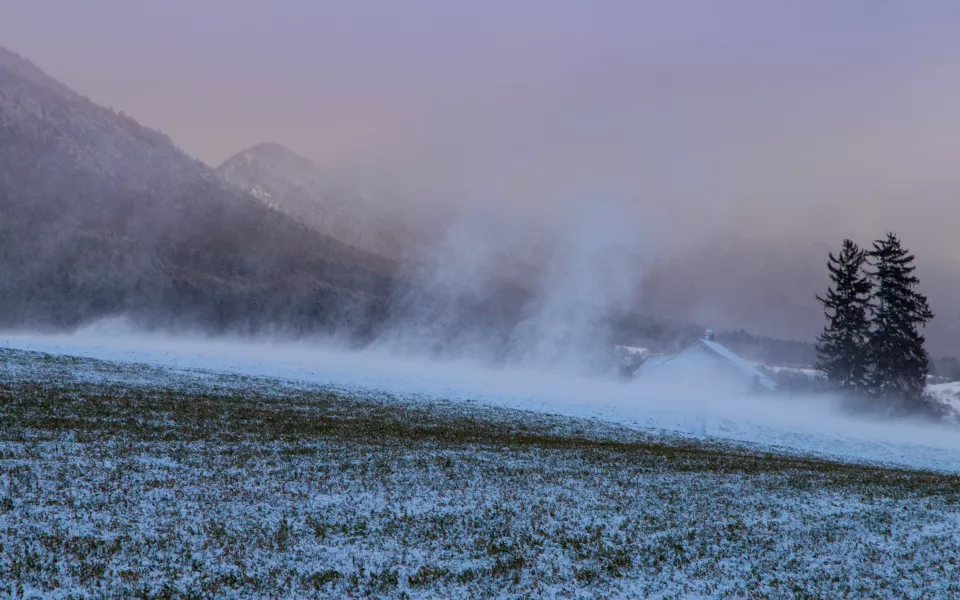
pixel 100 216
pixel 291 184
pixel 457 279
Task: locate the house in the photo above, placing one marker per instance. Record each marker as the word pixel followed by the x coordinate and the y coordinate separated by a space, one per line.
pixel 706 362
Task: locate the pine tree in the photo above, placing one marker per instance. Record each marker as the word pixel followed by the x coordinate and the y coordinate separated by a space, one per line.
pixel 842 347
pixel 899 360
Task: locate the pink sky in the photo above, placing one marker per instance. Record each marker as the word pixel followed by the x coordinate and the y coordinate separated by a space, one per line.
pixel 819 119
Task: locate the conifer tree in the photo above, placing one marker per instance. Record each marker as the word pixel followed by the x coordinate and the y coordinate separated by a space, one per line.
pixel 842 347
pixel 899 361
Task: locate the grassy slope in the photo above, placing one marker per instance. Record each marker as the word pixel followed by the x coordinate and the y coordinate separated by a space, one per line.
pixel 120 480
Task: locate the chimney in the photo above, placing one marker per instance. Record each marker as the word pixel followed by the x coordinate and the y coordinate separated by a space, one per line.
pixel 708 335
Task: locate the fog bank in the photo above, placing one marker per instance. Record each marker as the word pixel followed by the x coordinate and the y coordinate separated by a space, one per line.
pixel 699 406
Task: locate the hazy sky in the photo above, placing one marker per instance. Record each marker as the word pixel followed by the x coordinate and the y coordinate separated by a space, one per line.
pixel 802 118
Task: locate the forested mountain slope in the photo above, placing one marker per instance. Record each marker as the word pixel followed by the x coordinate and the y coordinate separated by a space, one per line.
pixel 290 183
pixel 99 215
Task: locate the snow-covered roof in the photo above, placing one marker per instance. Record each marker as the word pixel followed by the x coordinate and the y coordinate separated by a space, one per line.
pixel 655 361
pixel 715 350
pixel 727 354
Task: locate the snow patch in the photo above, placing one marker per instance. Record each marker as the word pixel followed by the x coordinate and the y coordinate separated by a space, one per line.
pixel 693 406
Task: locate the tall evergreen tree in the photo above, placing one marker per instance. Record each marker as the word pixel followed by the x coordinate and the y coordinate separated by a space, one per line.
pixel 899 360
pixel 842 347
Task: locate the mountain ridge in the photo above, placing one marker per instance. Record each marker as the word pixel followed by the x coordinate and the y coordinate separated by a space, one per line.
pixel 293 185
pixel 101 215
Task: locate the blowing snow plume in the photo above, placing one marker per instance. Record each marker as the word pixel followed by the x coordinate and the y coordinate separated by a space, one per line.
pixel 695 403
pixel 522 293
pixel 594 274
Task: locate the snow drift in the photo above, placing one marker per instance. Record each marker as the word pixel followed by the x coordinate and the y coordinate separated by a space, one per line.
pixel 693 405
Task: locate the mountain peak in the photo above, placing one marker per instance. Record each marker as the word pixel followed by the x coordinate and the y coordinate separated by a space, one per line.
pixel 291 184
pixel 269 153
pixel 269 164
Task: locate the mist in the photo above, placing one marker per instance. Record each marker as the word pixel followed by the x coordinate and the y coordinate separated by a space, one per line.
pixel 560 161
pixel 688 124
pixel 523 293
pixel 440 299
pixel 701 403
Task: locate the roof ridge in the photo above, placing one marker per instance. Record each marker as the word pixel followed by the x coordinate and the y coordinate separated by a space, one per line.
pixel 732 357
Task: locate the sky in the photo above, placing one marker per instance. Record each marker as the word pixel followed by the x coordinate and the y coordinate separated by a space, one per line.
pixel 815 119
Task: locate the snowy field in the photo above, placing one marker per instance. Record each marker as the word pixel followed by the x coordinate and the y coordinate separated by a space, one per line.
pixel 810 426
pixel 161 469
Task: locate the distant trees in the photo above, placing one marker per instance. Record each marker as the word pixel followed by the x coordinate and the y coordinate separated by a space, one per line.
pixel 946 368
pixel 871 345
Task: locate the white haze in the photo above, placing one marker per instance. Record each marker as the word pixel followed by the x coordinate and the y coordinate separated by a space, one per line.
pixel 579 269
pixel 699 404
pixel 592 142
pixel 574 162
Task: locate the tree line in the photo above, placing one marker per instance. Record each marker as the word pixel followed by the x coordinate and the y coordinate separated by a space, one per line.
pixel 871 346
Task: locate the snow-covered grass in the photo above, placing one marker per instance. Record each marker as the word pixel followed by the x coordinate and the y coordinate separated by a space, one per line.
pixel 697 405
pixel 131 480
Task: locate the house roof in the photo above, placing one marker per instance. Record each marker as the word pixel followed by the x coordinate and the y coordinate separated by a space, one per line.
pixel 727 354
pixel 718 351
pixel 655 361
